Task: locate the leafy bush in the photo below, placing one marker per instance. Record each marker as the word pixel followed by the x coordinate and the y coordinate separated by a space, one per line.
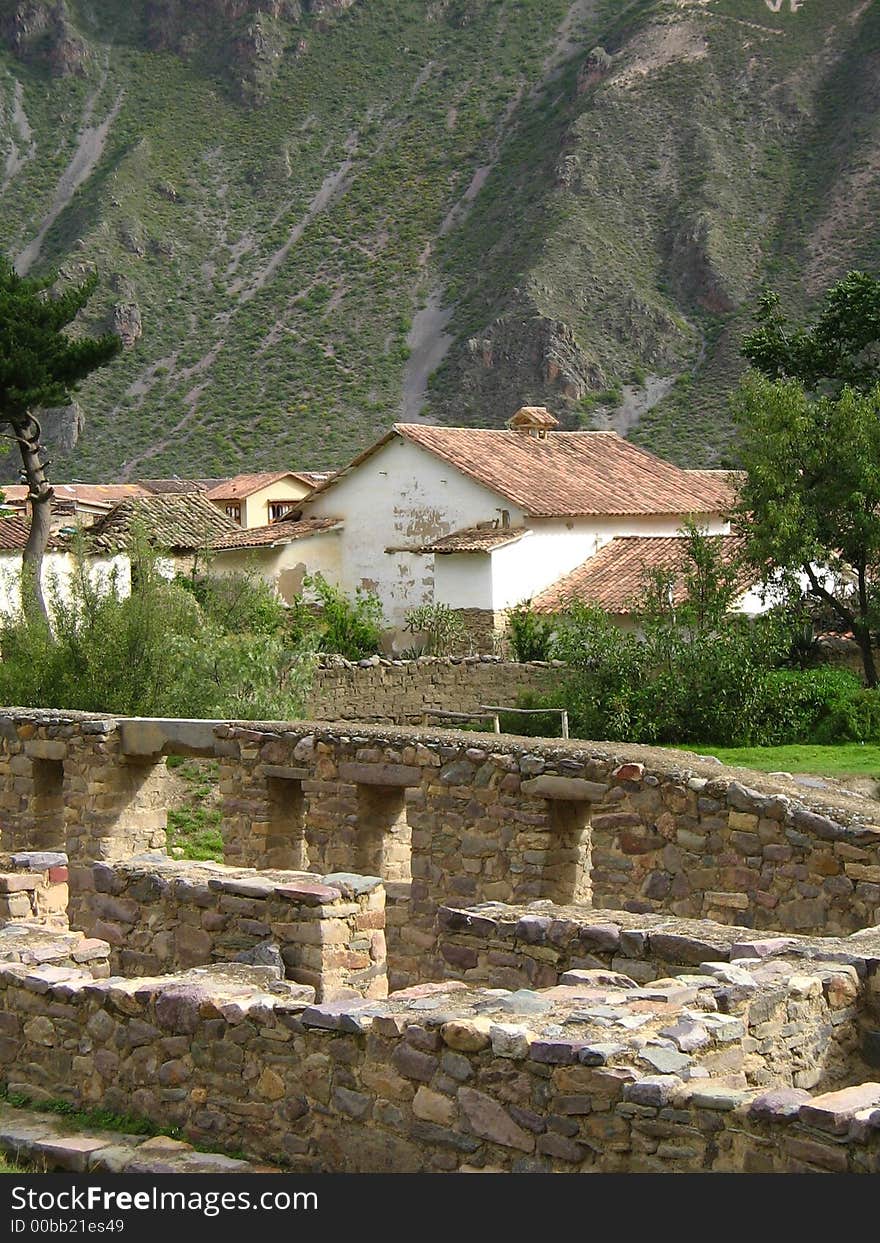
pixel 155 652
pixel 442 629
pixel 349 628
pixel 530 634
pixel 237 603
pixel 701 674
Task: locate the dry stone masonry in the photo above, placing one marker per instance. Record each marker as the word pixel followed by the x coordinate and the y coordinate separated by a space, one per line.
pixel 161 915
pixel 401 692
pixel 600 958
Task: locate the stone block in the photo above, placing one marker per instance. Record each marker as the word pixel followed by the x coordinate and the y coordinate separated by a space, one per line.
pixel 380 774
pixel 491 1121
pixel 567 789
pixel 834 1111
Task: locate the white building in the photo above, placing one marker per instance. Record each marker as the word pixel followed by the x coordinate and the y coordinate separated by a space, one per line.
pixel 483 519
pixel 59 566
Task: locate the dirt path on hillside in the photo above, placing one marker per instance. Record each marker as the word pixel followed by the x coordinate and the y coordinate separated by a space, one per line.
pixel 428 340
pixel 635 402
pixel 333 185
pixel 18 155
pixel 89 149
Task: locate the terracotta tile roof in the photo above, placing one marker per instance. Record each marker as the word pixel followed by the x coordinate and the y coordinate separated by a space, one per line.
pixel 275 534
pixel 14 532
pixel 565 474
pixel 721 484
pixel 475 539
pixel 172 487
pixel 105 494
pixel 244 485
pixel 186 522
pixel 614 578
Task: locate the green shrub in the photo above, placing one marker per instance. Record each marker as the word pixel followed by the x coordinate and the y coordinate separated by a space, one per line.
pixel 530 634
pixel 237 603
pixel 154 652
pixel 723 686
pixel 349 628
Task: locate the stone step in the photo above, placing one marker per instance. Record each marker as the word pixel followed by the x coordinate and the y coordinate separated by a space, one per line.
pixel 47 1142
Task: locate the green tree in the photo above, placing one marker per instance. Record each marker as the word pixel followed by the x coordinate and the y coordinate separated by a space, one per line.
pixel 811 503
pixel 40 365
pixel 705 583
pixel 841 346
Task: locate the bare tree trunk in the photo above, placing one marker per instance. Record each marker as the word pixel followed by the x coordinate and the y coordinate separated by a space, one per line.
pixel 863 638
pixel 858 624
pixel 40 496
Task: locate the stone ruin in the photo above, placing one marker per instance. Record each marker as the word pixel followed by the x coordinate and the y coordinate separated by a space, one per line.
pixel 428 950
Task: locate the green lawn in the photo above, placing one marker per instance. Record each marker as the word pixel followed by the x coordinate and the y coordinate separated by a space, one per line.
pixel 847 759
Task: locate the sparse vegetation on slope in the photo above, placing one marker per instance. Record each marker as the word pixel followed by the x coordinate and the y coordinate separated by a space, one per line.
pixel 592 188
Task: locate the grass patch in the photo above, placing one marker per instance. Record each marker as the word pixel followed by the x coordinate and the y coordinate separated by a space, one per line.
pixel 851 759
pixel 194 826
pixel 97 1119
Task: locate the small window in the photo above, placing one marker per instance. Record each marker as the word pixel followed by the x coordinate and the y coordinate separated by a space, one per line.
pixel 234 512
pixel 279 510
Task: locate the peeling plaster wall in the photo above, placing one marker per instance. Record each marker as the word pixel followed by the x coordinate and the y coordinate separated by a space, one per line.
pixel 402 498
pixel 285 567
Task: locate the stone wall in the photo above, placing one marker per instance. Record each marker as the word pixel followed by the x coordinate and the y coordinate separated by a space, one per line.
pixel 590 1076
pixel 401 692
pixel 160 915
pixel 463 818
pixel 535 946
pixel 54 950
pixel 66 785
pixel 33 887
pixel 502 819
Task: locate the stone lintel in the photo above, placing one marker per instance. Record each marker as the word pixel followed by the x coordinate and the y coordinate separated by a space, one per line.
pixel 286 772
pixel 154 736
pixel 45 749
pixel 380 774
pixel 568 789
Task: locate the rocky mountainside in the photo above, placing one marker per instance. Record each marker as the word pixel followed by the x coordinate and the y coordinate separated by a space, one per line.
pixel 311 217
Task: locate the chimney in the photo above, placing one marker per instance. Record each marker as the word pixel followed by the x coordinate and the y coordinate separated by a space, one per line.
pixel 534 421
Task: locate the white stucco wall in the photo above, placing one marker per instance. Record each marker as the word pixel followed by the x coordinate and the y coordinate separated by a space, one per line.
pixel 58 570
pixel 553 548
pixel 401 498
pixel 463 580
pixel 285 567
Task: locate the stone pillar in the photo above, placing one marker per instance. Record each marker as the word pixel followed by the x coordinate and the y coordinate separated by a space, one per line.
pixel 115 805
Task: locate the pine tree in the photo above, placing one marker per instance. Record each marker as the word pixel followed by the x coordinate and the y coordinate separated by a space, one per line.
pixel 41 366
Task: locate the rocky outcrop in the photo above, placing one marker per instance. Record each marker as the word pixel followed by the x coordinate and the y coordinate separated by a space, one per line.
pixel 62 426
pixel 695 276
pixel 260 33
pixel 41 33
pixel 126 322
pixel 523 351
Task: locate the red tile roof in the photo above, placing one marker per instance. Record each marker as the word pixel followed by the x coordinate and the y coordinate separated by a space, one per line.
pixel 104 494
pixel 14 532
pixel 239 486
pixel 276 533
pixel 721 484
pixel 475 539
pixel 614 578
pixel 565 474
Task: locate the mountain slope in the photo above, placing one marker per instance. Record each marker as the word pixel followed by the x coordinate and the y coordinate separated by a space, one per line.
pixel 302 211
